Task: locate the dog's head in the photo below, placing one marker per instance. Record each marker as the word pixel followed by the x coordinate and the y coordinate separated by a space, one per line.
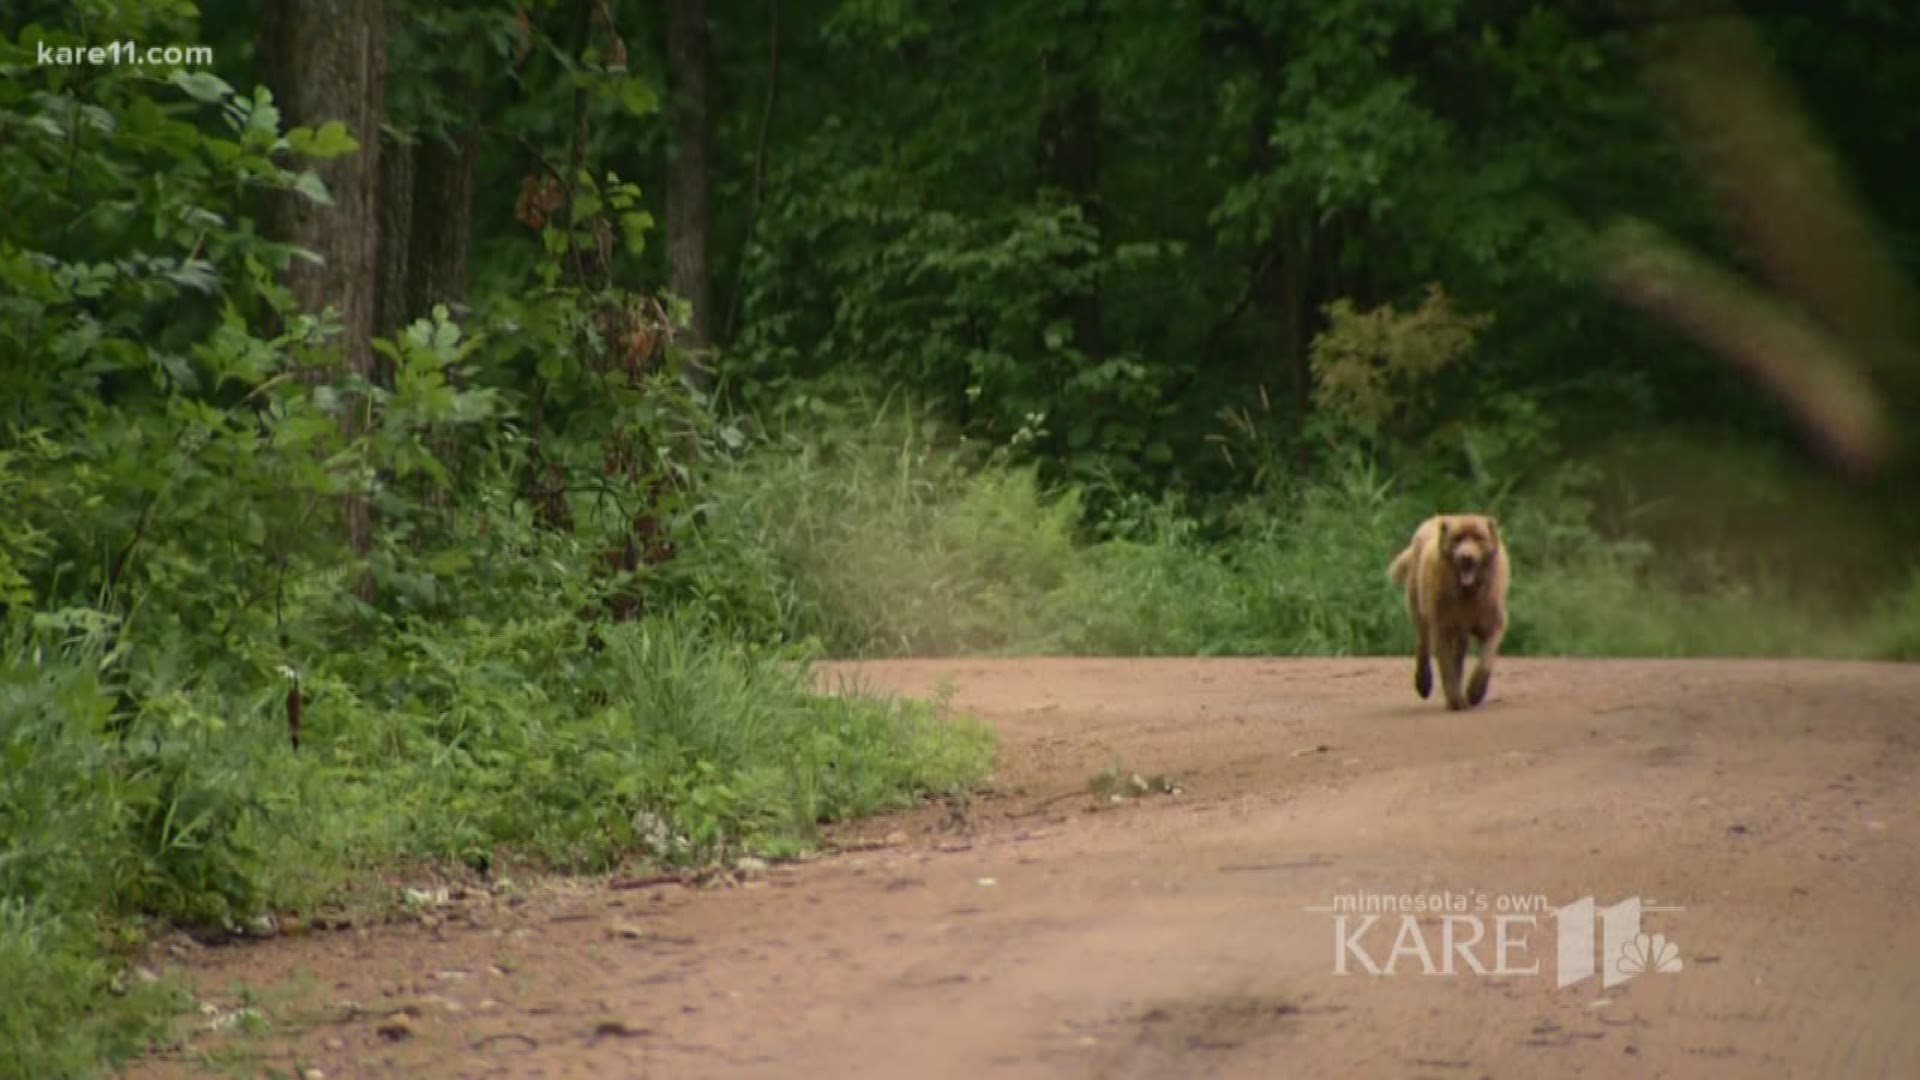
pixel 1470 544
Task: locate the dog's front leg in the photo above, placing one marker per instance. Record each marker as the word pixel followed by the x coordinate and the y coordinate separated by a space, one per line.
pixel 1483 671
pixel 1453 662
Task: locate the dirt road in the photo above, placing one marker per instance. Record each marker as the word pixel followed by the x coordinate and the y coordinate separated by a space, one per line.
pixel 1040 932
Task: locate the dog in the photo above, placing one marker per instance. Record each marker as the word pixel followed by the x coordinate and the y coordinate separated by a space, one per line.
pixel 1455 571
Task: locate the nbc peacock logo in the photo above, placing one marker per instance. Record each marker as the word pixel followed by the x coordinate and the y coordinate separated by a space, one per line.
pixel 1625 952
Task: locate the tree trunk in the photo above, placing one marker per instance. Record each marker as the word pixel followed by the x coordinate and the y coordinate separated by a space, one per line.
pixel 440 247
pixel 392 309
pixel 440 255
pixel 1070 159
pixel 689 212
pixel 1289 306
pixel 326 60
pixel 1282 290
pixel 759 170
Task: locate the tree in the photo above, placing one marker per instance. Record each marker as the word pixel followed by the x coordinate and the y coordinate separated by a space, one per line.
pixel 326 62
pixel 440 247
pixel 1070 146
pixel 689 182
pixel 429 159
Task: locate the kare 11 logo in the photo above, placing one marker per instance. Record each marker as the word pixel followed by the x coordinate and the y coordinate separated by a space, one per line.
pixel 1477 933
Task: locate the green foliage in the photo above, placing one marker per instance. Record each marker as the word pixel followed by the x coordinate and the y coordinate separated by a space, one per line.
pixel 178 443
pixel 517 732
pixel 1350 152
pixel 1368 365
pixel 75 818
pixel 51 1020
pixel 928 298
pixel 881 542
pixel 1896 626
pixel 891 544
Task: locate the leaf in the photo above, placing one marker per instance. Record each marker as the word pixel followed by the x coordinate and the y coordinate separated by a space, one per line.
pixel 446 335
pixel 259 124
pixel 449 564
pixel 330 140
pixel 633 229
pixel 639 98
pixel 202 85
pixel 196 274
pixel 310 185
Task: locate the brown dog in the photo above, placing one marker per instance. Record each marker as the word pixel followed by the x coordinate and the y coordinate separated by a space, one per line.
pixel 1455 574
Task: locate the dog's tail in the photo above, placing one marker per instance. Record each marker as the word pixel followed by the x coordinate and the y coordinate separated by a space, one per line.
pixel 1402 567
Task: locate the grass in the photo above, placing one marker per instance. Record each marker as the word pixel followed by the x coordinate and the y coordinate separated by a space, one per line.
pixel 882 544
pixel 891 546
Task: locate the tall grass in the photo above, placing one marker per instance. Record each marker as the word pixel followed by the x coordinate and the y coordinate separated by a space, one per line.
pixel 724 743
pixel 883 542
pixel 891 545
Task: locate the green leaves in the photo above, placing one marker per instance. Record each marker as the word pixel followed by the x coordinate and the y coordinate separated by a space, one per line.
pixel 255 119
pixel 1366 363
pixel 634 227
pixel 202 86
pixel 329 140
pixel 310 185
pixel 639 97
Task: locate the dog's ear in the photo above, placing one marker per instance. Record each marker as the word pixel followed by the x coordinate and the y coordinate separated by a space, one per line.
pixel 1493 529
pixel 1443 532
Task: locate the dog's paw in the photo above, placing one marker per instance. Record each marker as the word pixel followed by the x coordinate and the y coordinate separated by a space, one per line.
pixel 1423 680
pixel 1477 686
